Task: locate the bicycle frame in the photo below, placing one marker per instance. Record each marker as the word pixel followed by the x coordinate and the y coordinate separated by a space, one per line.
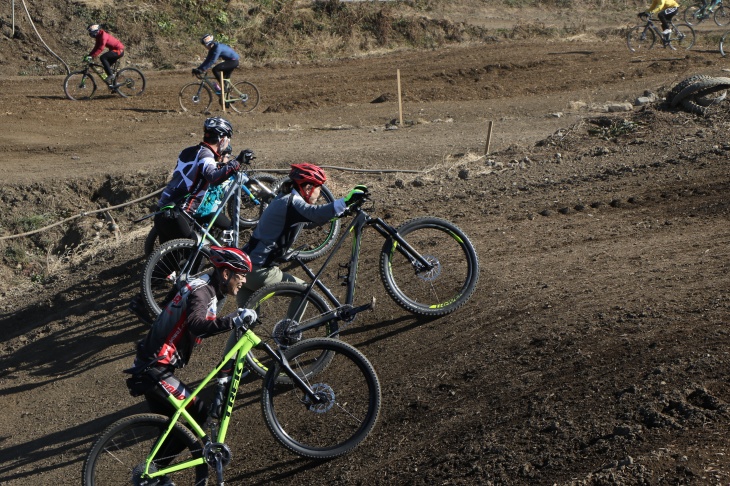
pixel 244 344
pixel 346 312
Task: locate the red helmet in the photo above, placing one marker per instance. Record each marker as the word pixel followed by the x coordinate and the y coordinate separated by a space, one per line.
pixel 231 258
pixel 307 174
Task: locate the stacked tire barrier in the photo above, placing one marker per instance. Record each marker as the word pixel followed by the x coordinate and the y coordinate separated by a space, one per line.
pixel 698 93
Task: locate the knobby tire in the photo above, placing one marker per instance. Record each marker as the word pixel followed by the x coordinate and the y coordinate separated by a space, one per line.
pixel 79 85
pixel 119 455
pixel 444 288
pixel 331 429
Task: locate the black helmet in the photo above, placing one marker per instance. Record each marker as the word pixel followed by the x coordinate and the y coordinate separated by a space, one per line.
pixel 207 39
pixel 216 128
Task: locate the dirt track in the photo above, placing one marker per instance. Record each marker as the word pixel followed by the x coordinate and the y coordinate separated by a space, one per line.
pixel 594 351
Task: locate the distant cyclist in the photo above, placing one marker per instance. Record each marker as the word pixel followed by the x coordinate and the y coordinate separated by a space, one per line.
pixel 217 50
pixel 666 9
pixel 115 52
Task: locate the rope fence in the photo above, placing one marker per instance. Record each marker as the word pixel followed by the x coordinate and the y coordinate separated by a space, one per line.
pixel 134 201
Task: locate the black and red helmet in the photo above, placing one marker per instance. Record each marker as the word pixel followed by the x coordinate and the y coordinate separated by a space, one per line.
pixel 306 173
pixel 231 258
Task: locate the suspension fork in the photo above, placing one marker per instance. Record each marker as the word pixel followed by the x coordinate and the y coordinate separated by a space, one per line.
pixel 400 244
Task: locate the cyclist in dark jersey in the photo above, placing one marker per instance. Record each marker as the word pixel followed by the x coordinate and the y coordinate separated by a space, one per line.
pixel 183 323
pixel 217 50
pixel 115 52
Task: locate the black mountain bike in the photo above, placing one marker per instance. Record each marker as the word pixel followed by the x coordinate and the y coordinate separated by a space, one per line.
pixel 643 37
pixel 427 265
pixel 695 14
pixel 175 261
pixel 81 85
pixel 328 404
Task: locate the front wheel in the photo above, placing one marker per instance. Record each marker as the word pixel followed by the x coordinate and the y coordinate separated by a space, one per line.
pixel 640 38
pixel 683 36
pixel 243 97
pixel 725 42
pixel 722 16
pixel 346 412
pixel 119 456
pixel 129 82
pixel 79 85
pixel 446 283
pixel 694 14
pixel 164 267
pixel 276 306
pixel 196 98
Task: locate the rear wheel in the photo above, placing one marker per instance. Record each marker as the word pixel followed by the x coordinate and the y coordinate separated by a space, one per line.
pixel 120 454
pixel 346 412
pixel 262 186
pixel 79 85
pixel 195 98
pixel 640 38
pixel 683 36
pixel 129 82
pixel 722 16
pixel 243 97
pixel 164 267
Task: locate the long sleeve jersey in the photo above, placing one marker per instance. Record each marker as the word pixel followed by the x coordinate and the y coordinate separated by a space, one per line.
pixel 105 39
pixel 219 50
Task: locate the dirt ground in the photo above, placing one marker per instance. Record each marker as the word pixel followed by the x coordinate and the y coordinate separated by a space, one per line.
pixel 593 352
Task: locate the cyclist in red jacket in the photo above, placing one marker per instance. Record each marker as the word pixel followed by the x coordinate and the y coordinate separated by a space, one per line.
pixel 115 52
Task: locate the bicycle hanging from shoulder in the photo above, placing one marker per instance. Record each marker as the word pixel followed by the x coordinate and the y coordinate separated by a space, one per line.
pixel 328 405
pixel 197 96
pixel 428 266
pixel 81 85
pixel 177 260
pixel 643 37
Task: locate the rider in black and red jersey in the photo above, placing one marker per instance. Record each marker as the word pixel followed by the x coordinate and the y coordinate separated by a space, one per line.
pixel 188 318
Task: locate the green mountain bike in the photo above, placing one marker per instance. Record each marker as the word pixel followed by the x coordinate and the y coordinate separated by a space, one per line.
pixel 329 404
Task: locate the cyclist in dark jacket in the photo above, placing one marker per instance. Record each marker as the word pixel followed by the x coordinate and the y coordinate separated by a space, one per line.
pixel 292 210
pixel 217 50
pixel 183 323
pixel 198 167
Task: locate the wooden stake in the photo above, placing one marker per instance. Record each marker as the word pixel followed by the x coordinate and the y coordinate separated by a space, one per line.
pixel 223 93
pixel 400 103
pixel 489 137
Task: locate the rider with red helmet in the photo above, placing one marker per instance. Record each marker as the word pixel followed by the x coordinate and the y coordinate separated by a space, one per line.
pixel 294 207
pixel 190 316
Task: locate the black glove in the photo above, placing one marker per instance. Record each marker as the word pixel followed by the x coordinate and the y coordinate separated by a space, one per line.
pixel 641 15
pixel 197 71
pixel 234 165
pixel 244 318
pixel 356 195
pixel 246 156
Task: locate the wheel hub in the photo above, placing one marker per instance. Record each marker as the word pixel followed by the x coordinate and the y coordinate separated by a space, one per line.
pixel 433 274
pixel 283 335
pixel 326 395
